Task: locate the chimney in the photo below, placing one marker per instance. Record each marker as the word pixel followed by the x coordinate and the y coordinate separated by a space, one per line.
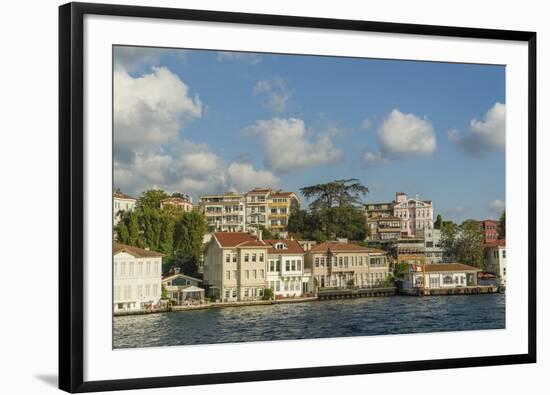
pixel 260 235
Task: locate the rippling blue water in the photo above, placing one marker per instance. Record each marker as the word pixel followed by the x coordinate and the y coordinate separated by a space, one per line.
pixel 336 318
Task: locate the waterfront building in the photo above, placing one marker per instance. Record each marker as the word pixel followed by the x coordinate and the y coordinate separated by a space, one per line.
pixel 178 203
pixel 122 203
pixel 346 265
pixel 235 266
pixel 432 245
pixel 224 212
pixel 181 288
pixel 440 275
pixel 136 278
pixel 494 259
pixel 286 272
pixel 413 214
pixel 489 228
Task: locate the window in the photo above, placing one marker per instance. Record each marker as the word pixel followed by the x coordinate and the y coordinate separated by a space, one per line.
pixel 123 268
pixel 293 265
pixel 246 257
pixel 156 268
pixel 271 266
pixel 255 274
pixel 246 292
pixel 254 257
pixel 278 286
pixel 261 257
pixel 234 293
pixel 227 258
pixel 447 280
pixel 278 266
pixel 148 268
pixel 287 265
pixel 299 264
pixel 341 261
pixel 317 262
pixel 140 268
pixel 227 293
pixel 286 285
pixel 345 261
pixel 131 268
pixel 234 258
pixel 504 253
pixel 227 275
pixel 148 290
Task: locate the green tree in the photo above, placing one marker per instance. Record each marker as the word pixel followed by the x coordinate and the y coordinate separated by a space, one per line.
pixel 502 225
pixel 438 222
pixel 268 294
pixel 463 243
pixel 152 198
pixel 133 228
pixel 189 231
pixel 335 193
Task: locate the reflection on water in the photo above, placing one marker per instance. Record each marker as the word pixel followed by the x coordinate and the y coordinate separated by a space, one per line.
pixel 337 318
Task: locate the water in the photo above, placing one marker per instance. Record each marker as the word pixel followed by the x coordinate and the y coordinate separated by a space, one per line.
pixel 336 318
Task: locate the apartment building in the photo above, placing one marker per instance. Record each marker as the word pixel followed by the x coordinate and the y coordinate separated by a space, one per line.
pixel 224 212
pixel 257 207
pixel 279 205
pixel 184 204
pixel 489 228
pixel 432 245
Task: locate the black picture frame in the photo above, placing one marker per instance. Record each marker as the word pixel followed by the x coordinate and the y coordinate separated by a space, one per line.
pixel 71 198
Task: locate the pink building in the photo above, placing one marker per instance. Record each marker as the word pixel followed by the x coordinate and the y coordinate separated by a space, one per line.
pixel 415 214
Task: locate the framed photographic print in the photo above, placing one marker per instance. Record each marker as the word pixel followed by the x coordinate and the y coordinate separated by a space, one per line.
pixel 250 197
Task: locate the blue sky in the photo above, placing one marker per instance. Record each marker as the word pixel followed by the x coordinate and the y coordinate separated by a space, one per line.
pixel 206 121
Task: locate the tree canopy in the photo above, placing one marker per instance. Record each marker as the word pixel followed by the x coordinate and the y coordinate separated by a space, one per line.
pixel 175 233
pixel 336 210
pixel 463 243
pixel 502 226
pixel 152 198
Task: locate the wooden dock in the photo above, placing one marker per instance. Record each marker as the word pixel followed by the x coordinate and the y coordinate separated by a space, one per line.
pixel 350 293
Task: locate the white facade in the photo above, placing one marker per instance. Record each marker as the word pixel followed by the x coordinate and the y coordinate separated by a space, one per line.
pixel 136 279
pixel 122 203
pixel 494 260
pixel 224 212
pixel 415 214
pixel 432 244
pixel 453 275
pixel 286 274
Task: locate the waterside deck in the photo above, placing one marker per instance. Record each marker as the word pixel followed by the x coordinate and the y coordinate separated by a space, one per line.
pixel 467 290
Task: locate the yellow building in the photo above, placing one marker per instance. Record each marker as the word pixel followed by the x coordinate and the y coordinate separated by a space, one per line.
pixel 279 204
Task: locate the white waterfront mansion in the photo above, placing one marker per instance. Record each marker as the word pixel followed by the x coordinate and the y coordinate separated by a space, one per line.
pixel 137 275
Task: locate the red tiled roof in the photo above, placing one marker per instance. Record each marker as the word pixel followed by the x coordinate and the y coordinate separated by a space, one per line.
pixel 293 247
pixel 495 243
pixel 450 267
pixel 281 194
pixel 135 251
pixel 237 239
pixel 343 247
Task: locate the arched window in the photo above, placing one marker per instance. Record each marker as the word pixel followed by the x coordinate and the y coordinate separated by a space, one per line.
pixel 447 280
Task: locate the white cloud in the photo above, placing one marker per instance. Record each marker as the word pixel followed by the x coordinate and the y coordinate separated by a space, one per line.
pixel 276 94
pixel 484 136
pixel 497 206
pixel 251 58
pixel 366 124
pixel 406 134
pixel 149 110
pixel 135 58
pixel 374 158
pixel 287 145
pixel 401 135
pixel 243 177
